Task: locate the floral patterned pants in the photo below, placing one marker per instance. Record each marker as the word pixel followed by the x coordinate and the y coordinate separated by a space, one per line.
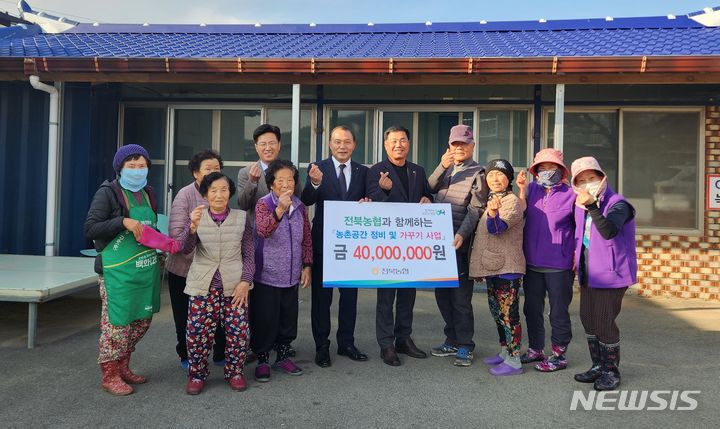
pixel 204 313
pixel 505 309
pixel 116 342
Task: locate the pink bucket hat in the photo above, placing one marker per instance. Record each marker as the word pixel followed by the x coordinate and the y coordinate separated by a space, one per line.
pixel 584 164
pixel 549 155
pixel 461 133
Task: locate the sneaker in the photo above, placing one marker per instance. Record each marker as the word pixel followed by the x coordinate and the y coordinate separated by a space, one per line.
pixel 237 383
pixel 444 350
pixel 288 367
pixel 503 369
pixel 194 386
pixel 262 372
pixel 185 364
pixel 463 357
pixel 552 364
pixel 532 355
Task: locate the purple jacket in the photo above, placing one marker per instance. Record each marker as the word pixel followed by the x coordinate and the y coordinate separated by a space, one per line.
pixel 282 246
pixel 549 227
pixel 611 263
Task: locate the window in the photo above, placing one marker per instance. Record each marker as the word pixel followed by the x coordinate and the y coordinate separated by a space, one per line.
pixel 146 126
pixel 660 167
pixel 503 134
pixel 282 117
pixel 590 134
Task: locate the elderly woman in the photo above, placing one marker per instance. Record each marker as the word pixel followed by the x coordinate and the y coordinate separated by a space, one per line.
pixel 497 255
pixel 129 273
pixel 548 245
pixel 178 264
pixel 283 260
pixel 218 282
pixel 606 265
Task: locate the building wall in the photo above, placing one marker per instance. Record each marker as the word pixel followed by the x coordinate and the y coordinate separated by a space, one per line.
pixel 23 168
pixel 686 266
pixel 89 142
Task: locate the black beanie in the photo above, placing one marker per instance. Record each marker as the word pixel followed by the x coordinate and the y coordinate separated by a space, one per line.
pixel 503 166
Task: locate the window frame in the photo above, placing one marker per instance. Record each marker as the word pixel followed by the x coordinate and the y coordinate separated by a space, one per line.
pixel 169 162
pixel 620 110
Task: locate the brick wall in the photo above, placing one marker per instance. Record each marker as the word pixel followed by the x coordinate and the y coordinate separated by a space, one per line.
pixel 682 266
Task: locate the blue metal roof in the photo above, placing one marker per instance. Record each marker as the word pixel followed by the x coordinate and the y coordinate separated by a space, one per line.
pixel 651 36
pixel 19 31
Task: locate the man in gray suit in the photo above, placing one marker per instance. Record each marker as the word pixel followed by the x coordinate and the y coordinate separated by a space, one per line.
pixel 251 184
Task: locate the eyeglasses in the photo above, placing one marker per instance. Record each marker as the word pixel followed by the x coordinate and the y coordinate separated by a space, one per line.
pixel 267 144
pixel 401 141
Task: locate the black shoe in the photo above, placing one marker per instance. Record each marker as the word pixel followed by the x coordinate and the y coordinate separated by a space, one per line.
pixel 389 356
pixel 408 347
pixel 352 352
pixel 322 357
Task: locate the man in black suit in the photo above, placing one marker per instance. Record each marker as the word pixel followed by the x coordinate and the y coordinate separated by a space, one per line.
pixel 336 178
pixel 397 180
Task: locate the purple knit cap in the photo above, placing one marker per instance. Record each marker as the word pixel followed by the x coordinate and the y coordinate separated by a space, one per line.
pixel 128 150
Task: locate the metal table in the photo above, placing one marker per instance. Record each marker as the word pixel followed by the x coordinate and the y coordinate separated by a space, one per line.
pixel 36 279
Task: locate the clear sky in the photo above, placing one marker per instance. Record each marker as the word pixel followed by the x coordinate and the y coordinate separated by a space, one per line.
pixel 351 11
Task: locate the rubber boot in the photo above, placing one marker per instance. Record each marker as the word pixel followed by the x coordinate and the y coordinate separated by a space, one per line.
pixel 610 358
pixel 127 375
pixel 595 370
pixel 111 380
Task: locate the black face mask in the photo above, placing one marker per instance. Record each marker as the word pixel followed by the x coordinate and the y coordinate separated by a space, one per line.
pixel 499 194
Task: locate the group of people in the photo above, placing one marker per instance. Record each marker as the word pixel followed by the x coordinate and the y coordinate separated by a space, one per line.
pixel 234 274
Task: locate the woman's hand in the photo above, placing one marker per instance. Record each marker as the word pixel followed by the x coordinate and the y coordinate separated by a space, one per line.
pixel 458 241
pixel 195 216
pixel 305 277
pixel 240 294
pixel 284 201
pixel 521 180
pixel 133 226
pixel 493 206
pixel 584 198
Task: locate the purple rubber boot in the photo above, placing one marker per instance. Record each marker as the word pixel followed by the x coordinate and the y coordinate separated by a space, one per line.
pixel 504 369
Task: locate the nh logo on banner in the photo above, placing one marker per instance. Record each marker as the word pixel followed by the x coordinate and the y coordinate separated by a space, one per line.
pixel 635 400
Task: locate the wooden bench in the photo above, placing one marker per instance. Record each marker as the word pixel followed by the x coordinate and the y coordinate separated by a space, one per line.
pixel 36 279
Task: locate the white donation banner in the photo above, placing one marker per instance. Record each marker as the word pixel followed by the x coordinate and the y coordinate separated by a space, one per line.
pixel 388 245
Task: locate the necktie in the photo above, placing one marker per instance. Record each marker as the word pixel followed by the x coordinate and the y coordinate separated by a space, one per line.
pixel 343 182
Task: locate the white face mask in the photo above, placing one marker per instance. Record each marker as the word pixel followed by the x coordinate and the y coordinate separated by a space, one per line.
pixel 592 187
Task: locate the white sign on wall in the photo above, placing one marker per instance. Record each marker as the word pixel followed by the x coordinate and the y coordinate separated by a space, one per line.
pixel 712 195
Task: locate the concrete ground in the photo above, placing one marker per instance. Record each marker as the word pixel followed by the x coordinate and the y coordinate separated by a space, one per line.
pixel 667 344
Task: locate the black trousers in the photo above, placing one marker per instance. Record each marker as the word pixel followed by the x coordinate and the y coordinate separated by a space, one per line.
pixel 320 311
pixel 273 316
pixel 598 310
pixel 179 303
pixel 388 326
pixel 559 289
pixel 455 305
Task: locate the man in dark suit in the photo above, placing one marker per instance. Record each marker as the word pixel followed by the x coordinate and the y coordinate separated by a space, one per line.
pixel 397 180
pixel 336 178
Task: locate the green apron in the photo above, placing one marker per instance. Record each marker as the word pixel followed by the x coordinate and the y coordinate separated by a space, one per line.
pixel 131 270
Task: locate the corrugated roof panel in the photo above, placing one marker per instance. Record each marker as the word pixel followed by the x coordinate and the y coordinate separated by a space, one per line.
pixel 594 38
